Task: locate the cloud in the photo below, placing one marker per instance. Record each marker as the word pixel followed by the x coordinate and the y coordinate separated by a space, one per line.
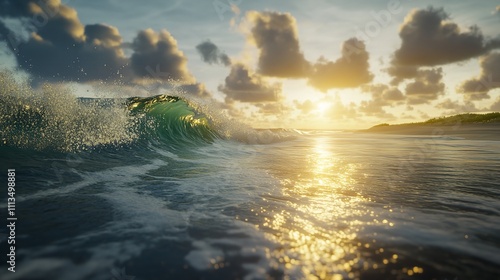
pixel 61 48
pixel 495 106
pixel 426 87
pixel 103 35
pixel 350 70
pixel 424 115
pixel 339 111
pixel 428 38
pixel 275 35
pixel 156 56
pixel 387 95
pixel 382 96
pixel 371 108
pixel 272 108
pixel 305 107
pixel 457 107
pixel 478 88
pixel 243 85
pixel 211 54
pixel 401 72
pixel 194 89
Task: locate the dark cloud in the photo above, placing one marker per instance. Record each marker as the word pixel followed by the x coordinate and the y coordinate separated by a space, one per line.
pixel 275 35
pixel 156 56
pixel 57 48
pixel 242 85
pixel 393 95
pixel 387 95
pixel 63 61
pixel 211 54
pixel 20 8
pixel 350 70
pixel 382 96
pixel 455 107
pixel 401 72
pixel 372 108
pixel 429 38
pixel 427 86
pixel 196 89
pixel 61 48
pixel 478 88
pixel 103 35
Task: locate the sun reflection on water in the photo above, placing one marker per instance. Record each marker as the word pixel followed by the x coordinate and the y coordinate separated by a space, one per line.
pixel 318 233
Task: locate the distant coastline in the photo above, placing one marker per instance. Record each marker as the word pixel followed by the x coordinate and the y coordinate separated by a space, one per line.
pixel 467 126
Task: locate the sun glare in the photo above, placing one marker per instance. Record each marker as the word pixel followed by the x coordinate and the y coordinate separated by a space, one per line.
pixel 323 106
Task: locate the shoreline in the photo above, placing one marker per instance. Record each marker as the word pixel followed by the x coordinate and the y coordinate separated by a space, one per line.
pixel 469 131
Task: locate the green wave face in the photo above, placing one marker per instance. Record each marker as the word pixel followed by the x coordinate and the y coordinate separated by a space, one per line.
pixel 170 120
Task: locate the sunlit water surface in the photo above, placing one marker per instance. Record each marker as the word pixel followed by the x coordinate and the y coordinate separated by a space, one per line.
pixel 326 205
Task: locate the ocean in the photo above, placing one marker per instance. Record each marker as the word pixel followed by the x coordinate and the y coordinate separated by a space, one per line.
pixel 158 188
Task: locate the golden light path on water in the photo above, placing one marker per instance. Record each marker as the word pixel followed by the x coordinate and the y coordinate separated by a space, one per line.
pixel 318 230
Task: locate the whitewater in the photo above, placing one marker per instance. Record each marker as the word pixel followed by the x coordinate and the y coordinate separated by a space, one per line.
pixel 161 187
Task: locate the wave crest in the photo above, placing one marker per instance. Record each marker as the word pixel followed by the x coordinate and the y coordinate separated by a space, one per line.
pixel 51 117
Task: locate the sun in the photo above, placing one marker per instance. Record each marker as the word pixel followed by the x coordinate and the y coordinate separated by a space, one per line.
pixel 323 106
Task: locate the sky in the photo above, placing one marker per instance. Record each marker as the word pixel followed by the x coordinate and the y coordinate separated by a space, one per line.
pixel 296 64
